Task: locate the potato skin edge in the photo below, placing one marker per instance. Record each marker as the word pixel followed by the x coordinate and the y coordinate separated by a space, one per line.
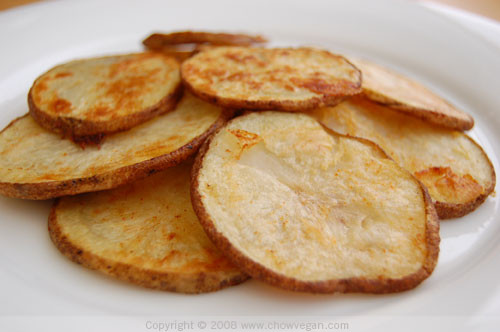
pixel 347 285
pixel 188 283
pixel 108 180
pixel 426 115
pixel 158 40
pixel 282 105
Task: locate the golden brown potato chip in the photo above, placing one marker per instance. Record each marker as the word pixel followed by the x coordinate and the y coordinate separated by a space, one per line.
pixel 157 41
pixel 456 171
pixel 145 233
pixel 104 95
pixel 258 78
pixel 38 164
pixel 308 210
pixel 406 95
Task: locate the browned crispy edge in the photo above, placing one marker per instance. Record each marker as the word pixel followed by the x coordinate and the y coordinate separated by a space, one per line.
pixel 283 105
pixel 156 41
pixel 80 129
pixel 348 285
pixel 426 115
pixel 191 283
pixel 453 210
pixel 111 179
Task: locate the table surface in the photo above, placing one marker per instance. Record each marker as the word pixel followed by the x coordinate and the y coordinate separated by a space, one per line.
pixel 487 8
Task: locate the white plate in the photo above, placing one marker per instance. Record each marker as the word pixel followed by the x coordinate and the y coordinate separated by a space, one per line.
pixel 36 279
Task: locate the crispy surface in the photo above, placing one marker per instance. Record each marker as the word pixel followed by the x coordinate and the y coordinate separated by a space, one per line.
pixel 145 233
pixel 38 164
pixel 104 95
pixel 454 168
pixel 257 78
pixel 157 41
pixel 402 93
pixel 306 210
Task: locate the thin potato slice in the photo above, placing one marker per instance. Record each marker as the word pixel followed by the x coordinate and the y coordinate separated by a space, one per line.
pixel 454 168
pixel 104 95
pixel 157 41
pixel 38 164
pixel 308 210
pixel 402 93
pixel 258 78
pixel 145 233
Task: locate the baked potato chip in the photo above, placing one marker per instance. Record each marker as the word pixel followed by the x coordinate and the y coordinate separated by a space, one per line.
pixel 408 96
pixel 145 233
pixel 307 210
pixel 157 41
pixel 38 164
pixel 281 78
pixel 104 95
pixel 454 168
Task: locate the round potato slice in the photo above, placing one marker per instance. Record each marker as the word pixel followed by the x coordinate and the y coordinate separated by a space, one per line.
pixel 406 95
pixel 308 210
pixel 281 78
pixel 104 95
pixel 454 168
pixel 145 233
pixel 38 164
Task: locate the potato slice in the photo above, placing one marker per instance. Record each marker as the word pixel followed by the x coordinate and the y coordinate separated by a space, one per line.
pixel 455 169
pixel 307 210
pixel 408 96
pixel 157 41
pixel 104 95
pixel 145 233
pixel 38 164
pixel 257 78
